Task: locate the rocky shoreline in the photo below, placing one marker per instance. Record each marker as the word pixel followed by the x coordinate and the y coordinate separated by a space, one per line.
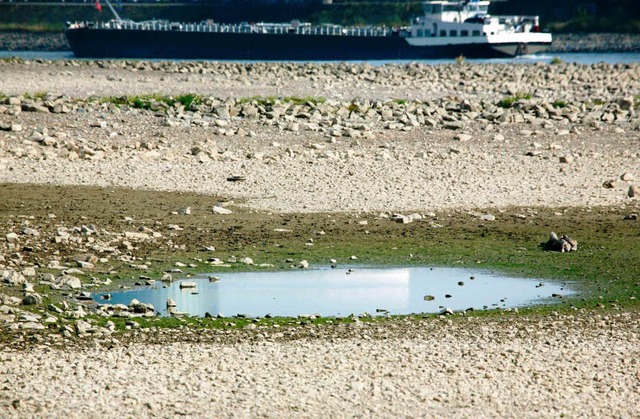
pixel 595 42
pixel 33 41
pixel 388 146
pixel 562 43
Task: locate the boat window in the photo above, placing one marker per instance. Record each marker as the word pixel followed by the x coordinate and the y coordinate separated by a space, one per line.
pixel 420 33
pixel 443 32
pixel 476 33
pixel 453 33
pixel 427 32
pixel 432 8
pixel 464 33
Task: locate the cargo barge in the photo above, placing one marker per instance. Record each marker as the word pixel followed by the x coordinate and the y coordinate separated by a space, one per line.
pixel 446 29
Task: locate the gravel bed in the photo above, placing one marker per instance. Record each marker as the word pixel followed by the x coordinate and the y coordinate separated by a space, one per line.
pixel 572 366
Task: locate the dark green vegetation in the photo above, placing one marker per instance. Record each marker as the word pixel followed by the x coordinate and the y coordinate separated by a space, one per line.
pixel 155 102
pixel 579 15
pixel 53 17
pixel 190 101
pixel 510 101
pixel 566 16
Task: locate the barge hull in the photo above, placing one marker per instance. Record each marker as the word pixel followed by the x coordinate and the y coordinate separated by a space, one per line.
pixel 144 44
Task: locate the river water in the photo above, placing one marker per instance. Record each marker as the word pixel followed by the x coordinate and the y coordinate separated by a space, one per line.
pixel 578 58
pixel 341 292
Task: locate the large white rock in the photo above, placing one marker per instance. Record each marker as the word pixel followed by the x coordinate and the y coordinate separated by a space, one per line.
pixel 221 210
pixel 11 237
pixel 69 282
pixel 12 277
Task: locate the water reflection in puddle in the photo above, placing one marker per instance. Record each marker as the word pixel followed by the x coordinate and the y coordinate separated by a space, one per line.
pixel 335 292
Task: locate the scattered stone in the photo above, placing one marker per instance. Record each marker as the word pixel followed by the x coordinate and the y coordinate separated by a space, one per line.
pixel 563 244
pixel 32 299
pixel 221 210
pixel 633 191
pixel 83 327
pixel 462 137
pixel 84 295
pixel 402 219
pixel 99 124
pixel 55 309
pixel 236 178
pixel 11 237
pixel 68 282
pixel 187 284
pixel 454 125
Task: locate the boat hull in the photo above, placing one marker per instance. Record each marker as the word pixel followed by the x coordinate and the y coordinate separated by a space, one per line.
pixel 106 43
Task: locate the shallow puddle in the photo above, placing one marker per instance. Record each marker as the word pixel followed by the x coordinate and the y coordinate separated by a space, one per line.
pixel 341 292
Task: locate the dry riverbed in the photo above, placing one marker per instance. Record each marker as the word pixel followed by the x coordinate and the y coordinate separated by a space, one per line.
pixel 276 159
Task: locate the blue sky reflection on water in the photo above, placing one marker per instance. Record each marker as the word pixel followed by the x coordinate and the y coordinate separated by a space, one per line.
pixel 333 292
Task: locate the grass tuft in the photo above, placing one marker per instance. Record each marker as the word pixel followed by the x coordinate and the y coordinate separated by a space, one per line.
pixel 510 101
pixel 556 61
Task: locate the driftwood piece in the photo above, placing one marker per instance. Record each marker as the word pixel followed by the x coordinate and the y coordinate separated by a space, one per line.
pixel 562 244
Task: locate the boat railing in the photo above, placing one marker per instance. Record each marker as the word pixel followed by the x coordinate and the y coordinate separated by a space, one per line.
pixel 258 28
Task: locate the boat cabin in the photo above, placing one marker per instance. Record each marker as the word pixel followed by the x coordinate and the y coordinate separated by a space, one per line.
pixel 467 18
pixel 455 11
